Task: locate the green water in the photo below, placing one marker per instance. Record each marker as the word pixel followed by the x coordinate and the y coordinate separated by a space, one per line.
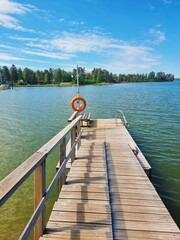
pixel 29 117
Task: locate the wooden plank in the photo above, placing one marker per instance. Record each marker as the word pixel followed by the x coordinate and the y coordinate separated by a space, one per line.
pixel 146 226
pixel 79 231
pixel 94 225
pixel 76 206
pixel 141 235
pixel 78 188
pixel 145 217
pixel 89 169
pixel 90 163
pixel 92 175
pixel 139 209
pixel 87 181
pixel 85 234
pixel 85 195
pixel 80 217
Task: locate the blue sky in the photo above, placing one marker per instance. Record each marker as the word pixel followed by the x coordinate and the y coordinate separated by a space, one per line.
pixel 122 36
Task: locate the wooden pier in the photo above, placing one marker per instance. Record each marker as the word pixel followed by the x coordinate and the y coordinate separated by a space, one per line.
pixel 107 193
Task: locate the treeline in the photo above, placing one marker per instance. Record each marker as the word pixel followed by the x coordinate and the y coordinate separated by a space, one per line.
pixel 57 76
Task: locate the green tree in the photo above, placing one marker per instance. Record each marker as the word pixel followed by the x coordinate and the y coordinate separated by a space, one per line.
pixel 6 73
pixel 110 77
pixel 29 76
pixel 169 77
pixel 74 76
pixel 51 74
pixel 121 78
pixel 82 75
pixel 26 75
pixel 57 75
pixel 160 76
pixel 66 76
pixel 94 74
pixel 13 74
pixel 99 78
pixel 47 79
pixel 38 76
pixel 151 76
pixel 105 74
pixel 20 76
pixel 1 75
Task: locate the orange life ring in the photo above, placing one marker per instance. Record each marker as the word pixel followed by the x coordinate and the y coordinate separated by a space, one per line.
pixel 78 104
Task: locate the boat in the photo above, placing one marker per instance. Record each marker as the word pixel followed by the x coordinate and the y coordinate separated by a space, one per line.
pixel 4 87
pixel 4 83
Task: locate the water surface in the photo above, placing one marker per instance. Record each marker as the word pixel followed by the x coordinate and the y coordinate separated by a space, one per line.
pixel 29 117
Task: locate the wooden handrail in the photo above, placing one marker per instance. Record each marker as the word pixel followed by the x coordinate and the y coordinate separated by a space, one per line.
pixel 36 163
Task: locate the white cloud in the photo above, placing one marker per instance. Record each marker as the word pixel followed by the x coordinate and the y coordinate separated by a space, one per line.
pixel 158 35
pixel 118 55
pixel 24 39
pixel 81 42
pixel 12 23
pixel 130 59
pixel 48 54
pixel 110 53
pixel 6 47
pixel 75 23
pixel 165 2
pixel 61 19
pixel 9 8
pixel 9 57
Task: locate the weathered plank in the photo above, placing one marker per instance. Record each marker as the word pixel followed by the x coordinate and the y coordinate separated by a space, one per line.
pixel 74 206
pixel 141 235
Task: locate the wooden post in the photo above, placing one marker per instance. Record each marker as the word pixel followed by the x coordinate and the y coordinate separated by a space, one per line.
pixel 78 131
pixel 39 190
pixel 73 137
pixel 62 157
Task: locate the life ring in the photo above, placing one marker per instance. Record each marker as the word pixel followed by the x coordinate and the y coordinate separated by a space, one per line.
pixel 78 104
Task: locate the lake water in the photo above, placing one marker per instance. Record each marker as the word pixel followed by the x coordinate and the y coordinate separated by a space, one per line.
pixel 29 117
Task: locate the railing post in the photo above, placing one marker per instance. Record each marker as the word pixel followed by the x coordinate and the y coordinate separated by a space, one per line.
pixel 39 190
pixel 62 157
pixel 78 131
pixel 73 137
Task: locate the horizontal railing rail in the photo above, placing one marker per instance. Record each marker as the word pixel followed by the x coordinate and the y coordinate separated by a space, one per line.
pixel 37 164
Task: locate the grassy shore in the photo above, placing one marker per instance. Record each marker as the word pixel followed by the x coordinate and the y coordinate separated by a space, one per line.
pixel 63 84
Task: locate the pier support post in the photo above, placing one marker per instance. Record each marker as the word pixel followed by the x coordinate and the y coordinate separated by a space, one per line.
pixel 62 157
pixel 78 129
pixel 39 190
pixel 73 137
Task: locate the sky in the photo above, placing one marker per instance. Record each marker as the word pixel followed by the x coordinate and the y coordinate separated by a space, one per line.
pixel 121 36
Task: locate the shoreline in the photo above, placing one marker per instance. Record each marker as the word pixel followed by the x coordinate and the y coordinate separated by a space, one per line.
pixel 64 84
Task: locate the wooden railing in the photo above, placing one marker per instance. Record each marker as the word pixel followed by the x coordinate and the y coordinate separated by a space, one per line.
pixel 37 164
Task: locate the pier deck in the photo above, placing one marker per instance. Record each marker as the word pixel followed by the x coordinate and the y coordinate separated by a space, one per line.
pixel 107 194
